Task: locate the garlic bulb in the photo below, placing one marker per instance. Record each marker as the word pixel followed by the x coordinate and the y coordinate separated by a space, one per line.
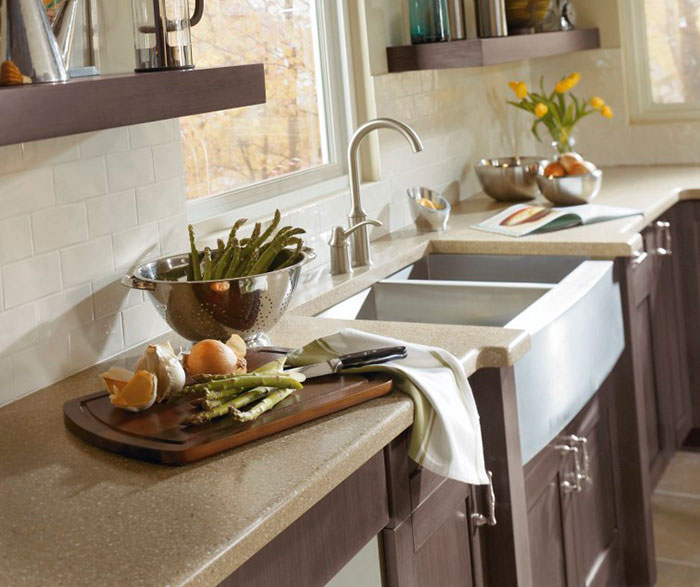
pixel 160 359
pixel 237 345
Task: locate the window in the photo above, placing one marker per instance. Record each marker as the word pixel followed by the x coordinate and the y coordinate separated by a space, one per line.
pixel 292 141
pixel 662 55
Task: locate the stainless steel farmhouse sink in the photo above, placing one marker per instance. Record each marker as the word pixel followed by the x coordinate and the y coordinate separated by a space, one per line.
pixel 570 306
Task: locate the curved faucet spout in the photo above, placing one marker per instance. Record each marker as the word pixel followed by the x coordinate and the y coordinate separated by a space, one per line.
pixel 354 154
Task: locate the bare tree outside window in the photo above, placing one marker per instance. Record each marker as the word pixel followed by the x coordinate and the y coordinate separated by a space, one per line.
pixel 673 40
pixel 232 149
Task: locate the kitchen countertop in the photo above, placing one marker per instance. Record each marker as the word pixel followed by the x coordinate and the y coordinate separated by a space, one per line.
pixel 73 514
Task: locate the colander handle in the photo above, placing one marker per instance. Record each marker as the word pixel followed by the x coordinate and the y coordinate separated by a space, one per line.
pixel 133 282
pixel 310 254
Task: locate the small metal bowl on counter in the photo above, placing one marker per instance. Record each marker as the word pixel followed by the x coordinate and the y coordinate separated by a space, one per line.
pixel 248 306
pixel 430 210
pixel 571 190
pixel 509 179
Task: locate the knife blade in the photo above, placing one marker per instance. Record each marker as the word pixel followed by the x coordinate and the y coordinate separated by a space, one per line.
pixel 361 359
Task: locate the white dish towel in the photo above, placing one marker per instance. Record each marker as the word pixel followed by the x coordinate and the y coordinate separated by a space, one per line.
pixel 446 434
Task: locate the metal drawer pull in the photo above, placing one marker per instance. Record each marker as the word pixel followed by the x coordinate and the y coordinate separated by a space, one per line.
pixel 585 475
pixel 638 257
pixel 490 520
pixel 567 485
pixel 665 229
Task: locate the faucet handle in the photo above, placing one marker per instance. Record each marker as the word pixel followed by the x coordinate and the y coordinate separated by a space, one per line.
pixel 340 235
pixel 340 247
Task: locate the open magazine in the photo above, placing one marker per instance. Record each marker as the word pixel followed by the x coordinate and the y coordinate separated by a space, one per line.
pixel 523 219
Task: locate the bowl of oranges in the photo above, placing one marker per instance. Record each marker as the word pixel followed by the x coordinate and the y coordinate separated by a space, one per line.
pixel 569 180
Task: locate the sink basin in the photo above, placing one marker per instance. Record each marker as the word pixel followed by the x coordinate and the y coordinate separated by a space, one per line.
pixel 570 306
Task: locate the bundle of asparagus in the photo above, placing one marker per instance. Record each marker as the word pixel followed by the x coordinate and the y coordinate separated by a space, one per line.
pixel 250 256
pixel 220 395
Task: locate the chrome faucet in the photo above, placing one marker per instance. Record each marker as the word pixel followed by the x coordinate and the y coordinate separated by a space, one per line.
pixel 360 236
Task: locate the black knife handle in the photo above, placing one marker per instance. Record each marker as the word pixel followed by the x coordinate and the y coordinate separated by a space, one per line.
pixel 373 356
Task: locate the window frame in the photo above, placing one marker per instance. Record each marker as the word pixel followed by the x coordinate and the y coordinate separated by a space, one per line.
pixel 641 106
pixel 336 70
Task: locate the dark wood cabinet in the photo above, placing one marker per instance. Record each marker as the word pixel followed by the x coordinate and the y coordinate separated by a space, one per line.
pixel 658 342
pixel 572 501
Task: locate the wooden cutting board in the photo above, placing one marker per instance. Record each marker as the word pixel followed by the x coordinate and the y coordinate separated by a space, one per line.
pixel 156 435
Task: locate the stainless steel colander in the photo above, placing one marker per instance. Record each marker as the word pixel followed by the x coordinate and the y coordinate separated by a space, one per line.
pixel 247 306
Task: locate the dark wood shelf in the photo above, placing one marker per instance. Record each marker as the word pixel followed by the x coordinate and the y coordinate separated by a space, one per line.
pixel 483 52
pixel 41 111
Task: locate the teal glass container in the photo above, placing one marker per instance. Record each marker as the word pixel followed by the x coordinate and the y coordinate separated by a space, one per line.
pixel 429 20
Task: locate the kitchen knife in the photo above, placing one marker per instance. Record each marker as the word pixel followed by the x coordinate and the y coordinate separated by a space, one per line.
pixel 371 357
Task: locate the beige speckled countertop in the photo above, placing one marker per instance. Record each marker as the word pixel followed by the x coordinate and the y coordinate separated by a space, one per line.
pixel 75 515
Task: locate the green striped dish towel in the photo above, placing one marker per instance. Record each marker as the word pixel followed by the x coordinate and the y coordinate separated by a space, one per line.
pixel 446 434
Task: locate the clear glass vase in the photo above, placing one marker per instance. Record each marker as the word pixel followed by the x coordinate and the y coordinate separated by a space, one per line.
pixel 429 21
pixel 565 144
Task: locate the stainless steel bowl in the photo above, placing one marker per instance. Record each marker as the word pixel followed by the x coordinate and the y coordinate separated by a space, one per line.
pixel 509 179
pixel 247 306
pixel 570 190
pixel 427 219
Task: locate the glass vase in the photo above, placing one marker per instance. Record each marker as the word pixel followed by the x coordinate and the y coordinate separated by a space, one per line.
pixel 566 143
pixel 429 21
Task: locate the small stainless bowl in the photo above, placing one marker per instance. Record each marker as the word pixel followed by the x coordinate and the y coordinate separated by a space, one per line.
pixel 509 179
pixel 247 306
pixel 427 219
pixel 571 190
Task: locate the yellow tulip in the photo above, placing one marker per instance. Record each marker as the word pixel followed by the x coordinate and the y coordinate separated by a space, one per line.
pixel 541 110
pixel 597 103
pixel 574 79
pixel 561 87
pixel 520 89
pixel 607 112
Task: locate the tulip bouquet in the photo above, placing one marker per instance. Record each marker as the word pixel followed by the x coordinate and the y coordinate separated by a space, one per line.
pixel 559 111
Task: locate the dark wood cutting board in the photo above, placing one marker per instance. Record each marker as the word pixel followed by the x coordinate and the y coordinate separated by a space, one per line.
pixel 156 435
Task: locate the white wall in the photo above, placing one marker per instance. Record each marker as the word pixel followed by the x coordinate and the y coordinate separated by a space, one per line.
pixel 77 213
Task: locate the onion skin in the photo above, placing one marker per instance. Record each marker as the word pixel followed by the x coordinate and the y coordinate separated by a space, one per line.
pixel 211 357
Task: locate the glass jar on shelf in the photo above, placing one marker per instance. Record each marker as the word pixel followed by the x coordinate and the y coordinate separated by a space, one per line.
pixel 429 21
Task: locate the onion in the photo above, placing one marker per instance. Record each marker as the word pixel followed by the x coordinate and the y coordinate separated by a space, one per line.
pixel 211 357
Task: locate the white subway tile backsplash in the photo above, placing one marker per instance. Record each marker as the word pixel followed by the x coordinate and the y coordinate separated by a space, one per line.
pixel 42 364
pixel 104 142
pixel 96 341
pixel 168 161
pixel 111 213
pixel 25 191
pixel 87 261
pixel 130 169
pixel 151 133
pixel 160 200
pixel 80 179
pixel 51 151
pixel 111 297
pixel 66 310
pixel 31 279
pixel 142 323
pixel 135 246
pixel 15 239
pixel 11 158
pixel 7 386
pixel 59 226
pixel 173 235
pixel 18 329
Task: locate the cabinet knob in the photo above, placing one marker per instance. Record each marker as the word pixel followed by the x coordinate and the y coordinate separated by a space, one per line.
pixel 490 520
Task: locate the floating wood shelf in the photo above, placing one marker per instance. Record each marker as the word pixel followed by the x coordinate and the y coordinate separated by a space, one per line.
pixel 483 52
pixel 41 111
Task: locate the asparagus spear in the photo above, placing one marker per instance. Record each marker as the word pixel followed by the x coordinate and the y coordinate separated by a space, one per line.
pixel 223 409
pixel 195 269
pixel 292 257
pixel 273 250
pixel 208 265
pixel 270 229
pixel 265 404
pixel 292 380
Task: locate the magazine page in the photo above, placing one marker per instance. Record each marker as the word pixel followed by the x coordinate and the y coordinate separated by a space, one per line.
pixel 522 219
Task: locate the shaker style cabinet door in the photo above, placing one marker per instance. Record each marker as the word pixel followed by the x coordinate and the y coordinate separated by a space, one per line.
pixel 572 497
pixel 596 517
